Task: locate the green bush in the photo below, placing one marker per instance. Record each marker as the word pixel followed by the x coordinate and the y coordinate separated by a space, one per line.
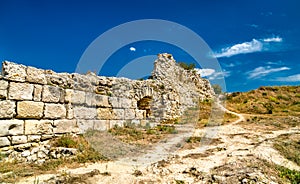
pixel 292 175
pixel 66 141
pixel 186 66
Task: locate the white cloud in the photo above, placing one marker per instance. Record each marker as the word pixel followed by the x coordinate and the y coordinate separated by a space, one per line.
pixel 275 63
pixel 241 48
pixel 211 74
pixel 263 71
pixel 256 45
pixel 274 39
pixel 205 72
pixel 291 78
pixel 231 65
pixel 219 75
pixel 132 49
pixel 253 25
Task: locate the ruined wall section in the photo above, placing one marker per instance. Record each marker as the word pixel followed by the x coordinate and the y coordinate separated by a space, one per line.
pixel 173 89
pixel 37 105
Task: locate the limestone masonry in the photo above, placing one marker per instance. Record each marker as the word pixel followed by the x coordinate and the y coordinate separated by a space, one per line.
pixel 37 105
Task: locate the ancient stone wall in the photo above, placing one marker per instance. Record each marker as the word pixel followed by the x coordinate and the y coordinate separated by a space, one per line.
pixel 37 105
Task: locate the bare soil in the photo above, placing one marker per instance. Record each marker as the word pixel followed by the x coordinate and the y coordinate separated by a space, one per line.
pixel 241 151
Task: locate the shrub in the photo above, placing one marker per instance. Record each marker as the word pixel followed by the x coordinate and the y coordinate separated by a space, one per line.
pixel 292 175
pixel 66 141
pixel 186 66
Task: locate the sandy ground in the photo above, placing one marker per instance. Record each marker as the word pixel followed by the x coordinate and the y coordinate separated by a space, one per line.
pixel 236 157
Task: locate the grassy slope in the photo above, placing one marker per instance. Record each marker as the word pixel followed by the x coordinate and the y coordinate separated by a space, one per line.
pixel 284 100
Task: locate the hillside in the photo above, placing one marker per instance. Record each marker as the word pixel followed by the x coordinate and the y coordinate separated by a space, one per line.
pixel 283 100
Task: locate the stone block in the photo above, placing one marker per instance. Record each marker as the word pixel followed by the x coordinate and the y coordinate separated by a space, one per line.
pixel 85 125
pixel 25 146
pixel 3 89
pixel 140 114
pixel 70 111
pixel 3 94
pixel 101 125
pixel 65 126
pixel 129 114
pixel 33 138
pixel 18 139
pixel 55 111
pixel 90 99
pixel 4 141
pixel 13 71
pixel 136 122
pixel 114 123
pixel 85 112
pixel 7 109
pixel 33 127
pixel 25 153
pixel 11 127
pixel 74 96
pixel 104 113
pixel 120 103
pixel 37 92
pixel 20 91
pixel 82 82
pixel 101 101
pixel 51 94
pixel 35 75
pixel 3 84
pixel 118 113
pixel 30 109
pixel 47 137
pixel 114 102
pixel 125 103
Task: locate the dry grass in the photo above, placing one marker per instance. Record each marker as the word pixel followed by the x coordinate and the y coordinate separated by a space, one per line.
pixel 142 135
pixel 195 142
pixel 211 115
pixel 270 122
pixel 283 100
pixel 289 146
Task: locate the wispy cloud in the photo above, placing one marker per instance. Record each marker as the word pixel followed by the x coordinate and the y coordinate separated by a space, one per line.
pixel 252 25
pixel 219 75
pixel 256 45
pixel 275 63
pixel 263 71
pixel 241 48
pixel 267 14
pixel 212 74
pixel 205 72
pixel 291 78
pixel 274 39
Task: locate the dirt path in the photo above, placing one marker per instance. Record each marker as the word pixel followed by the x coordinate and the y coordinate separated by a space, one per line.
pixel 235 152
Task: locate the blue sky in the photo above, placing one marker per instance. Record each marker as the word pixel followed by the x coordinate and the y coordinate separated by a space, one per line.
pixel 255 42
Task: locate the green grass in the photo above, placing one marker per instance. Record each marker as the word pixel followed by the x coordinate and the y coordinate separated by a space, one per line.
pixel 194 139
pixel 292 175
pixel 166 129
pixel 141 135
